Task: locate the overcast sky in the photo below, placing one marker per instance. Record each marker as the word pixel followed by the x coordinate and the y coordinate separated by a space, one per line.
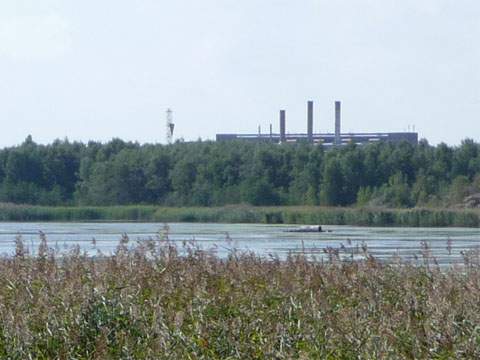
pixel 102 69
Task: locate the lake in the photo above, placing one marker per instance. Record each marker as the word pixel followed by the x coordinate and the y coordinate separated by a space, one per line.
pixel 446 244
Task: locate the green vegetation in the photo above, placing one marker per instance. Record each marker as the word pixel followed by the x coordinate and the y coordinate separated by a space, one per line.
pixel 218 174
pixel 148 302
pixel 248 214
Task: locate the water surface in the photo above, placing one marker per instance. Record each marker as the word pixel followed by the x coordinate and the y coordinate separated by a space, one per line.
pixel 447 245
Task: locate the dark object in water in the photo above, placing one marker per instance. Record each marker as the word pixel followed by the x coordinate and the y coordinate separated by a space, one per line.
pixel 306 229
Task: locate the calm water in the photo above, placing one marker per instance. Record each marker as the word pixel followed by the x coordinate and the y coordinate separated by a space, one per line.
pixel 264 240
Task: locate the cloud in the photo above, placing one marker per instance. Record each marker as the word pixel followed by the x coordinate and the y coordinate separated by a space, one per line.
pixel 34 37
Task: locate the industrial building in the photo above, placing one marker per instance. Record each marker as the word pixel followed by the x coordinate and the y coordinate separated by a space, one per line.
pixel 328 139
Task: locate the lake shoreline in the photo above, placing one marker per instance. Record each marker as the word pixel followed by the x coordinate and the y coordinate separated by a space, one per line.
pixel 293 215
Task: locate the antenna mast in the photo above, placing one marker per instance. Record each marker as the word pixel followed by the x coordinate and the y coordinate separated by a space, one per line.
pixel 170 126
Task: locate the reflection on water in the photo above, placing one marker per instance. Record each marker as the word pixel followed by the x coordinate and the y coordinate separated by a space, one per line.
pixel 446 245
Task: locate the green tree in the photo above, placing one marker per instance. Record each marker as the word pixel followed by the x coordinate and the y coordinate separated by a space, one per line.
pixel 332 184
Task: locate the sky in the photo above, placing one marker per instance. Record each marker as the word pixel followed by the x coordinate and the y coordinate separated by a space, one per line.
pixel 97 70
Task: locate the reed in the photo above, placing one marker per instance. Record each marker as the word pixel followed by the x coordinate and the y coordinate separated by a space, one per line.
pixel 152 300
pixel 416 217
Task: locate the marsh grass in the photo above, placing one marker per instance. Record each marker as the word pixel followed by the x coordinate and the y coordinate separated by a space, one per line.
pixel 154 300
pixel 417 217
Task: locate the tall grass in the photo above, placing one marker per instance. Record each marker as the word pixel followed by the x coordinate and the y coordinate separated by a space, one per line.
pixel 248 214
pixel 148 302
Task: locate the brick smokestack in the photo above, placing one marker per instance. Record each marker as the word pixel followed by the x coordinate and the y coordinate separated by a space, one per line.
pixel 338 120
pixel 310 121
pixel 282 126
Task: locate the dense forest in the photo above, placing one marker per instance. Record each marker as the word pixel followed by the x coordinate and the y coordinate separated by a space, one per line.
pixel 210 174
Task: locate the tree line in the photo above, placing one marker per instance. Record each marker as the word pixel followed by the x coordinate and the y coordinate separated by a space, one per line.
pixel 214 174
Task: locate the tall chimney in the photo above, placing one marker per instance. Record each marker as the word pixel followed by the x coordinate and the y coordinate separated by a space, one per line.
pixel 338 119
pixel 282 126
pixel 310 121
